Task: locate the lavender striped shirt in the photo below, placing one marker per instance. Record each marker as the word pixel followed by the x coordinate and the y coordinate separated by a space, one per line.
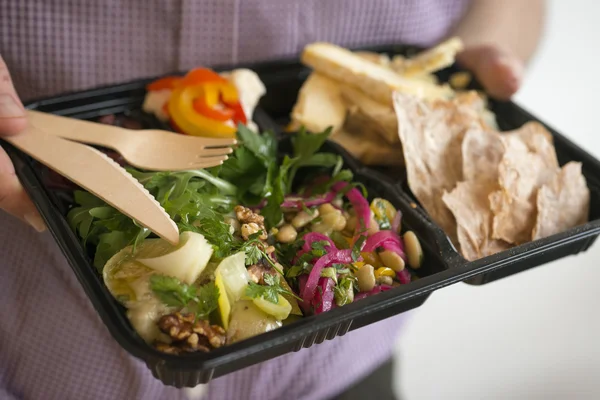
pixel 52 343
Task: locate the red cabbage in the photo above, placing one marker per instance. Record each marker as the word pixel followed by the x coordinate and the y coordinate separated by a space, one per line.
pixel 334 257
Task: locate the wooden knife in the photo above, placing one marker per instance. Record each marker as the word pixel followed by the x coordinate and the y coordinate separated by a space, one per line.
pixel 98 174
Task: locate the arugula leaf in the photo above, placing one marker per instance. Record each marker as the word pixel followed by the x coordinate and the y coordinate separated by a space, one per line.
pixel 270 290
pixel 263 146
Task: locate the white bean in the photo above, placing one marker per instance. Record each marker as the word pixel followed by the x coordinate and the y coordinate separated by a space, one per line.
pixel 365 277
pixel 303 218
pixel 392 260
pixel 414 252
pixel 287 234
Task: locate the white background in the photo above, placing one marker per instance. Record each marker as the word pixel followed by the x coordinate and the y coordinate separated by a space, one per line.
pixel 535 335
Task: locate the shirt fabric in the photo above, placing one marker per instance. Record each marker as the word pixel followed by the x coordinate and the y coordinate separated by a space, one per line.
pixel 53 344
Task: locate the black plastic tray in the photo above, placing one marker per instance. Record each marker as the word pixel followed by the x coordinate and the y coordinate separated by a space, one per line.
pixel 443 265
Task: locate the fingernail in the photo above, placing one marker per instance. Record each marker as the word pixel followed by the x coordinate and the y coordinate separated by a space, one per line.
pixel 36 221
pixel 9 108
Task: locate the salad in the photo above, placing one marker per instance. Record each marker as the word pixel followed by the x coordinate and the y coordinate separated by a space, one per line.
pixel 264 240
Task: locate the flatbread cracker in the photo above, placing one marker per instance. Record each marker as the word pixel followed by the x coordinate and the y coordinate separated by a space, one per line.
pixel 528 163
pixel 431 136
pixel 469 204
pixel 562 203
pixel 482 151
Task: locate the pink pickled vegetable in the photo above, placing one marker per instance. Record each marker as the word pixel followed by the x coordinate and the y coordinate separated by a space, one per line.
pixel 335 257
pixel 379 238
pixel 360 204
pixel 323 300
pixel 298 202
pixel 396 221
pixel 403 276
pixel 395 248
pixel 375 290
pixel 312 237
pixel 301 285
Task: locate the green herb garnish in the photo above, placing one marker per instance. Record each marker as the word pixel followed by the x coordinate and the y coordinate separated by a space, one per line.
pixel 199 300
pixel 270 290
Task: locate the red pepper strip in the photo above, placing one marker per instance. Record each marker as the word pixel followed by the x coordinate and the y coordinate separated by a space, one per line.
pixel 239 116
pixel 168 82
pixel 203 108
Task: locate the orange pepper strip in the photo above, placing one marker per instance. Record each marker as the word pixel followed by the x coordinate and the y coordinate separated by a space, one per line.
pixel 168 82
pixel 202 75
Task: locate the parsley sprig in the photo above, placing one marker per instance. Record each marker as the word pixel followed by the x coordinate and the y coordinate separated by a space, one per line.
pixel 199 300
pixel 270 291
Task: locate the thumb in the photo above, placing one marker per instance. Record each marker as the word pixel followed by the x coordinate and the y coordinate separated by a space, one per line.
pixel 12 113
pixel 13 198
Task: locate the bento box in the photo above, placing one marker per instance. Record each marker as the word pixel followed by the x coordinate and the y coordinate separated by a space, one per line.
pixel 442 265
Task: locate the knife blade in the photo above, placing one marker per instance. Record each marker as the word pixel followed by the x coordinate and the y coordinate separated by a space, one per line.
pixel 100 175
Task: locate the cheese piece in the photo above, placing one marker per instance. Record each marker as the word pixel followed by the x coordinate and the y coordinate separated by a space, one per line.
pixel 319 105
pixel 249 86
pixel 375 80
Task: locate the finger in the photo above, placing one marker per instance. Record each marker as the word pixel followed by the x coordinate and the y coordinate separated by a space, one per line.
pixel 499 72
pixel 12 113
pixel 13 198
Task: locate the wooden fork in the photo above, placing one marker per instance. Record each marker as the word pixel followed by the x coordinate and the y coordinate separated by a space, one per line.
pixel 149 149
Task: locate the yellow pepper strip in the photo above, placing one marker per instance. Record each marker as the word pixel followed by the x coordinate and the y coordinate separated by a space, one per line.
pixel 384 271
pixel 181 110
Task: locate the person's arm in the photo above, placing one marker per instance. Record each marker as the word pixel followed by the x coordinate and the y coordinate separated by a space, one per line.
pixel 500 37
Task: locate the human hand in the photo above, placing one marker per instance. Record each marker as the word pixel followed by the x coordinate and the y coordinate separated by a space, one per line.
pixel 13 198
pixel 499 71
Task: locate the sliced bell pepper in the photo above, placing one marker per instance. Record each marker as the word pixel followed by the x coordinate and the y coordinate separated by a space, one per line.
pixel 181 109
pixel 201 106
pixel 202 75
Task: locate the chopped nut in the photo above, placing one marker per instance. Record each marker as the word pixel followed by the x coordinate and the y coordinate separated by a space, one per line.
pixel 214 333
pixel 187 335
pixel 251 228
pixel 246 215
pixel 257 272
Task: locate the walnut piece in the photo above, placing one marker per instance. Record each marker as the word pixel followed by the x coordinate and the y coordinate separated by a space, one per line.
pixel 257 272
pixel 189 336
pixel 246 216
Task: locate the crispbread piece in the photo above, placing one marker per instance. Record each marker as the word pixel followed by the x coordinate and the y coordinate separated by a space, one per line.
pixel 439 57
pixel 562 203
pixel 372 79
pixel 431 136
pixel 319 105
pixel 482 151
pixel 377 58
pixel 529 161
pixel 381 116
pixel 469 204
